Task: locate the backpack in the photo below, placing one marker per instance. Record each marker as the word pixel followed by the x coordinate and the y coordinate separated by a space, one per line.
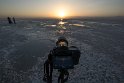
pixel 75 53
pixel 62 58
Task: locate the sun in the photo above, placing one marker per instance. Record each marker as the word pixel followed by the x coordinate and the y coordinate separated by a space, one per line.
pixel 61 14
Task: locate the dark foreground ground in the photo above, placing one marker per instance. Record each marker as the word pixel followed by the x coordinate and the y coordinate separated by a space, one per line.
pixel 24 47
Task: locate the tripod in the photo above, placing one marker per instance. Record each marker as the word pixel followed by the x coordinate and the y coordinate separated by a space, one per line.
pixel 63 76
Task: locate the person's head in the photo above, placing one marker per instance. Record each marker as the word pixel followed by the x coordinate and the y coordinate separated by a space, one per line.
pixel 62 41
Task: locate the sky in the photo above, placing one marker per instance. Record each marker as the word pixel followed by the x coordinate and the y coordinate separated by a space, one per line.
pixel 61 8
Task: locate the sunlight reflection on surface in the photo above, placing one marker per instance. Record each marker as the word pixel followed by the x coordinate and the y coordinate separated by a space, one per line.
pixel 62 23
pixel 80 25
pixel 50 25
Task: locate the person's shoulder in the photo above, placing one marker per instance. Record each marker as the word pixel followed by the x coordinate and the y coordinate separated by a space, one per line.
pixel 73 48
pixel 54 48
pixel 52 51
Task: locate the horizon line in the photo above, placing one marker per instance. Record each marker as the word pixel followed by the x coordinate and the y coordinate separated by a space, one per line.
pixel 58 17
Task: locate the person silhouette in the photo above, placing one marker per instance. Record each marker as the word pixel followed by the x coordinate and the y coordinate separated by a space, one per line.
pixel 9 20
pixel 62 58
pixel 14 20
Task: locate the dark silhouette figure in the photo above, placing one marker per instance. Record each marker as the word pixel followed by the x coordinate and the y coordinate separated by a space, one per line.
pixel 62 58
pixel 14 20
pixel 9 20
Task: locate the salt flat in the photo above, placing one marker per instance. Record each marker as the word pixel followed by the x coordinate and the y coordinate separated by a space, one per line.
pixel 24 48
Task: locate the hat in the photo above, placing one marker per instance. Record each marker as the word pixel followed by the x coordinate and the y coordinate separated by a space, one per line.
pixel 62 40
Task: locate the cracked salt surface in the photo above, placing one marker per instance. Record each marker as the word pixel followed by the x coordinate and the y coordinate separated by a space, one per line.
pixel 24 48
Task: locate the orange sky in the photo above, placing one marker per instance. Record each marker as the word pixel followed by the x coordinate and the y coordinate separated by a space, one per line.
pixel 53 8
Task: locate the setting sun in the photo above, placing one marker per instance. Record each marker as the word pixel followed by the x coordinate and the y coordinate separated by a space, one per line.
pixel 61 14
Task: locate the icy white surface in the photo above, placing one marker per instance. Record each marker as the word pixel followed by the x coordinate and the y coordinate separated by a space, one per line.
pixel 24 47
